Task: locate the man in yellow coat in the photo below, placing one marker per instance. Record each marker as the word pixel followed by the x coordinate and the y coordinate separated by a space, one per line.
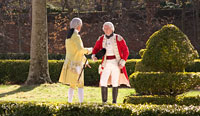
pixel 74 60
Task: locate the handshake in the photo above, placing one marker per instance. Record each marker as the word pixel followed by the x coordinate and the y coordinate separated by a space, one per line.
pixel 99 54
pixel 89 50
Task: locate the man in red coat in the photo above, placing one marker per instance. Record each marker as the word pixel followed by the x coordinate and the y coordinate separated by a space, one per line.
pixel 112 69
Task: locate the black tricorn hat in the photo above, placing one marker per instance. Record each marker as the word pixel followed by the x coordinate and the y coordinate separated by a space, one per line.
pixel 101 53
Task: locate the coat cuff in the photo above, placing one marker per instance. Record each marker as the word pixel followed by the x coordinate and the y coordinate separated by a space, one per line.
pixel 122 62
pixel 93 55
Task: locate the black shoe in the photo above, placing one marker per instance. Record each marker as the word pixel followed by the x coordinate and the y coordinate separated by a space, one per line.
pixel 104 94
pixel 114 94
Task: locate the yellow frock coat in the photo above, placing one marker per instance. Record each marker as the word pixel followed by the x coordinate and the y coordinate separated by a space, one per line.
pixel 74 59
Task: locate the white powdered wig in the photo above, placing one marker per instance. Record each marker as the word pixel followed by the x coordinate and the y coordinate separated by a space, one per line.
pixel 75 22
pixel 110 24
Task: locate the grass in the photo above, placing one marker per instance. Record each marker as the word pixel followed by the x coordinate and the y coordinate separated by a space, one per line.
pixel 56 93
pixel 192 93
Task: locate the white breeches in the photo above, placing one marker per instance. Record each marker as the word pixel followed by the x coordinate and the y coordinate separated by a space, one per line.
pixel 111 69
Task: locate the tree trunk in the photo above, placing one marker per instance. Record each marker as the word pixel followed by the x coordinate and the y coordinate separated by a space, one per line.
pixel 151 9
pixel 3 37
pixel 197 20
pixel 64 4
pixel 39 69
pixel 79 6
pixel 183 16
pixel 108 9
pixel 194 21
pixel 19 26
pixel 114 5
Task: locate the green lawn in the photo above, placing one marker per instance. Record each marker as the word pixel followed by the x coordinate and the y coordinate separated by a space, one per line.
pixel 56 93
pixel 191 93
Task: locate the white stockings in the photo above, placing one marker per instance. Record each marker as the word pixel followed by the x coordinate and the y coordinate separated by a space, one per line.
pixel 71 93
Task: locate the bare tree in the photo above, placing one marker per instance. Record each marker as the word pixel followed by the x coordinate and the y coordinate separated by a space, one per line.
pixel 196 4
pixel 3 20
pixel 39 69
pixel 151 9
pixel 65 4
pixel 183 15
pixel 20 25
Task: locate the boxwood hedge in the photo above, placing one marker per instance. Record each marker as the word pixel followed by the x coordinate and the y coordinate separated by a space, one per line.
pixel 160 100
pixel 168 50
pixel 50 109
pixel 16 71
pixel 160 83
pixel 26 56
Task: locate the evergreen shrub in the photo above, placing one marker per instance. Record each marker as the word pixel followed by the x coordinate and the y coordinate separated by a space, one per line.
pixel 157 83
pixel 64 109
pixel 160 100
pixel 16 71
pixel 169 50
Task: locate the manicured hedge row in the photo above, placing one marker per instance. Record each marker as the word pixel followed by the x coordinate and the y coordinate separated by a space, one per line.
pixel 139 67
pixel 157 83
pixel 42 109
pixel 13 71
pixel 16 71
pixel 26 56
pixel 194 67
pixel 160 100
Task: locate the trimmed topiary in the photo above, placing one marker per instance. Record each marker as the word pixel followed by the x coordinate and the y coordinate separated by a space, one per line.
pixel 168 50
pixel 160 100
pixel 140 67
pixel 64 109
pixel 161 71
pixel 157 83
pixel 194 67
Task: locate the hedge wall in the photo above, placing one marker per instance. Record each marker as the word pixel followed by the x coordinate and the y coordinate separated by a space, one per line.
pixel 160 100
pixel 157 83
pixel 50 109
pixel 194 67
pixel 139 67
pixel 26 56
pixel 16 71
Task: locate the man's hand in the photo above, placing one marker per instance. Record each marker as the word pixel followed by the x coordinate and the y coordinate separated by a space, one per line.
pixel 94 59
pixel 120 66
pixel 87 65
pixel 90 50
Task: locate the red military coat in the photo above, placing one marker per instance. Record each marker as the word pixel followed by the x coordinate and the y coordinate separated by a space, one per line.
pixel 121 52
